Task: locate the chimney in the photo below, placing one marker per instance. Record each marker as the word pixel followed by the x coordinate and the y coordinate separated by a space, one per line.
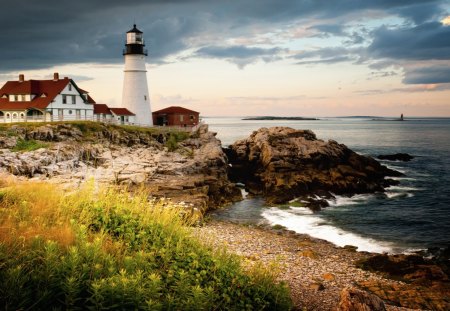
pixel 55 76
pixel 21 78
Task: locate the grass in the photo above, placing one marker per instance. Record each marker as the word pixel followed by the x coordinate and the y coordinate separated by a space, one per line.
pixel 104 249
pixel 29 145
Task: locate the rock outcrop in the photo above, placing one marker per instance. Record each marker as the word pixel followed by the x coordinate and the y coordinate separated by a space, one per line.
pixel 195 173
pixel 396 157
pixel 283 163
pixel 353 299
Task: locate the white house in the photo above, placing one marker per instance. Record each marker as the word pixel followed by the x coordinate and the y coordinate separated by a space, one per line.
pixel 114 115
pixel 44 100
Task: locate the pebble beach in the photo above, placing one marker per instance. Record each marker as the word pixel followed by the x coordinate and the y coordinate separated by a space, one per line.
pixel 315 270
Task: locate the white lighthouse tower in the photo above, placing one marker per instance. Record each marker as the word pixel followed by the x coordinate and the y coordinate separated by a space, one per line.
pixel 135 90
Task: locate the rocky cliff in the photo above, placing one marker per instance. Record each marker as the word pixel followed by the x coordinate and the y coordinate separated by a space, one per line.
pixel 194 171
pixel 283 163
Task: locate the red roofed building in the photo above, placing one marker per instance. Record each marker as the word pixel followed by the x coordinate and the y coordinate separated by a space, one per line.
pixel 176 116
pixel 116 115
pixel 44 100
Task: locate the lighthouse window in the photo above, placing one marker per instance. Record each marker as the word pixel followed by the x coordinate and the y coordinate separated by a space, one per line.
pixel 145 97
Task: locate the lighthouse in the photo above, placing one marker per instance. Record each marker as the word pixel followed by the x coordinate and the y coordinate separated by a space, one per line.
pixel 135 89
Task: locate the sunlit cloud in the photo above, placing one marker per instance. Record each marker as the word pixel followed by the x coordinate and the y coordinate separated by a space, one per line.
pixel 446 21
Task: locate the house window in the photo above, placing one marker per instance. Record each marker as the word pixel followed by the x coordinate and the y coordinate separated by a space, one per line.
pixel 145 97
pixel 23 98
pixel 181 118
pixel 14 116
pixel 8 116
pixel 70 87
pixel 70 111
pixel 22 115
pixel 16 98
pixel 192 117
pixel 64 99
pixel 74 101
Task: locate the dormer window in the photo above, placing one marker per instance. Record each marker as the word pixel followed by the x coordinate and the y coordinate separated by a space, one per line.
pixel 23 98
pixel 16 98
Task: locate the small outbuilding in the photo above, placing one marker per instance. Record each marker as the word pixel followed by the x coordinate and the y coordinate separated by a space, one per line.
pixel 176 116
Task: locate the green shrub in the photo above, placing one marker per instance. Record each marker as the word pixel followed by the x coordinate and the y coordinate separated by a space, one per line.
pixel 29 145
pixel 105 249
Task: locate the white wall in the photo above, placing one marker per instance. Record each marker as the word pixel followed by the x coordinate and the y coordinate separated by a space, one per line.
pixel 135 96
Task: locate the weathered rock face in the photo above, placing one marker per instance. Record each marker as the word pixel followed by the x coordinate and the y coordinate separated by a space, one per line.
pixel 283 163
pixel 196 173
pixel 353 299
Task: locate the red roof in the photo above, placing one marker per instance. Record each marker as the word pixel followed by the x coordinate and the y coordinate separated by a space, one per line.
pixel 174 109
pixel 121 112
pixel 50 88
pixel 101 108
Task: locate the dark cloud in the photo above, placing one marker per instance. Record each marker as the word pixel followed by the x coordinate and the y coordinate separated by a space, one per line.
pixel 429 41
pixel 428 75
pixel 47 33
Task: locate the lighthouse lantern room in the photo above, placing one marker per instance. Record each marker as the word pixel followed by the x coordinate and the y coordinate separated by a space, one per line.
pixel 135 96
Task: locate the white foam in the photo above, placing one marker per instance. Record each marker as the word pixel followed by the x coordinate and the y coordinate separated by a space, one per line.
pixel 315 226
pixel 393 195
pixel 353 200
pixel 403 188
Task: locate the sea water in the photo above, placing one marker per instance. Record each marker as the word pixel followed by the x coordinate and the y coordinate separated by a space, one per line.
pixel 411 216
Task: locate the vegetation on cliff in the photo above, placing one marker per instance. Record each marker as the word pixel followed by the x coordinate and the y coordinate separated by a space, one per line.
pixel 105 249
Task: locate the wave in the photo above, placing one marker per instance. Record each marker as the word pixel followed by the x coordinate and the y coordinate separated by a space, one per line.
pixel 353 200
pixel 301 220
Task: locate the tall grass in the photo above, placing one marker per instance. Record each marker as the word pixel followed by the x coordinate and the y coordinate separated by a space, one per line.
pixel 107 249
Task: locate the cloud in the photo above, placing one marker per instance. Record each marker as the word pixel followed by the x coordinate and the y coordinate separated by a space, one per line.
pixel 48 33
pixel 239 54
pixel 329 55
pixel 428 41
pixel 427 75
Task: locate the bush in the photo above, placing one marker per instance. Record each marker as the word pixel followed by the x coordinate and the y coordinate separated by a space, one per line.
pixel 109 250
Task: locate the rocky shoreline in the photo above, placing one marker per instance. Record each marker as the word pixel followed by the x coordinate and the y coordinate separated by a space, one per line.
pixel 280 164
pixel 317 272
pixel 283 164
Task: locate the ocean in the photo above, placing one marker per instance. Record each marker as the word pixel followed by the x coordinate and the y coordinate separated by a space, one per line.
pixel 412 216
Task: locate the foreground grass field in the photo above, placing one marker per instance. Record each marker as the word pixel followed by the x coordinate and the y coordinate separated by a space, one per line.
pixel 104 249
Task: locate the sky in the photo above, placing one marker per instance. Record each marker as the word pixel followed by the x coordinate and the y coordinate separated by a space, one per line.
pixel 243 58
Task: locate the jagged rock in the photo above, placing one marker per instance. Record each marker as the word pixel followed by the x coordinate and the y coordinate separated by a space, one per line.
pixel 282 163
pixel 396 157
pixel 197 173
pixel 353 299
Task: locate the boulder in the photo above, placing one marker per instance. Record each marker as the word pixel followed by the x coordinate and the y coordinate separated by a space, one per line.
pixel 353 299
pixel 282 163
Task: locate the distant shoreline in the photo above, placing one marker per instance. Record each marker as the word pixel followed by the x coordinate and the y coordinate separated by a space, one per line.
pixel 270 118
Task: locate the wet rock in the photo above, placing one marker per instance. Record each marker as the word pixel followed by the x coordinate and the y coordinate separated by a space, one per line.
pixel 396 157
pixel 282 163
